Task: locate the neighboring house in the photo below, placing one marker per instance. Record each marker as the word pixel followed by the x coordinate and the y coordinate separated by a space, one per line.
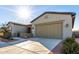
pixel 56 25
pixel 1 32
pixel 76 34
pixel 16 28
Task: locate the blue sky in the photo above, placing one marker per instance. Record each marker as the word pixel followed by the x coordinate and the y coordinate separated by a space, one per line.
pixel 9 12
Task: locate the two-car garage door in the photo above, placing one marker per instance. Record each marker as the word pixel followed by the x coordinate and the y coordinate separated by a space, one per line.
pixel 49 30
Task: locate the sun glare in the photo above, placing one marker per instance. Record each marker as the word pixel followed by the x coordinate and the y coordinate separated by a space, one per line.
pixel 24 12
pixel 75 28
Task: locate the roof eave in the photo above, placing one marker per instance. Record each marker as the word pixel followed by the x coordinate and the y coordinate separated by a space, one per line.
pixel 71 13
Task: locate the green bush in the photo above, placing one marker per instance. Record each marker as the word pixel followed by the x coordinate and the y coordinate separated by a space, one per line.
pixel 7 35
pixel 70 46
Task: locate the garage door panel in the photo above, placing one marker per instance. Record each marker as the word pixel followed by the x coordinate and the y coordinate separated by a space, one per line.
pixel 40 31
pixel 57 30
pixel 53 30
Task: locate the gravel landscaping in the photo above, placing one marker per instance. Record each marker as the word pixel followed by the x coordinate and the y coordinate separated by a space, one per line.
pixel 5 42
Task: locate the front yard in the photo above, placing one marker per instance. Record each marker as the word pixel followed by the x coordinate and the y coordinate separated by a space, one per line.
pixel 7 42
pixel 31 45
pixel 70 47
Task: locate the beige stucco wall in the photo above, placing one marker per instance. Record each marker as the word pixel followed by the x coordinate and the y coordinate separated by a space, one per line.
pixel 17 28
pixel 67 19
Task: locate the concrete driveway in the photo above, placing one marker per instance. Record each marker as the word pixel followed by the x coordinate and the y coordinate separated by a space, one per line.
pixel 39 45
pixel 32 46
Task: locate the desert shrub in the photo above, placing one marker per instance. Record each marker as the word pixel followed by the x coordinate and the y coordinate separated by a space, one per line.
pixel 6 31
pixel 70 46
pixel 11 38
pixel 7 35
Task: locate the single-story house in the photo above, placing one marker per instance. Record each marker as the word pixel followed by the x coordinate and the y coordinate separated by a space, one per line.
pixel 56 25
pixel 76 34
pixel 16 28
pixel 1 32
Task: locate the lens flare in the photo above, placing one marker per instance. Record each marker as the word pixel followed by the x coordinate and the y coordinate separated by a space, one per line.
pixel 24 12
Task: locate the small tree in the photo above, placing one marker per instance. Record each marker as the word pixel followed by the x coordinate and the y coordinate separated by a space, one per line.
pixel 5 31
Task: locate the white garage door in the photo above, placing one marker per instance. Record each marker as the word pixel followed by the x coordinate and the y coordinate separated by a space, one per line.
pixel 49 30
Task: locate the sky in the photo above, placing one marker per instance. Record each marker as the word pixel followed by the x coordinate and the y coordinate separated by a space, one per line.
pixel 16 13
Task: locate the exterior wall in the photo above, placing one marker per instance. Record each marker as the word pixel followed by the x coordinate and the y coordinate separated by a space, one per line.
pixel 67 19
pixel 1 34
pixel 10 28
pixel 16 29
pixel 33 30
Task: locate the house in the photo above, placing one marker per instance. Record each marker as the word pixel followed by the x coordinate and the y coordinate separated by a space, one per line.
pixel 76 34
pixel 1 32
pixel 16 28
pixel 56 25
